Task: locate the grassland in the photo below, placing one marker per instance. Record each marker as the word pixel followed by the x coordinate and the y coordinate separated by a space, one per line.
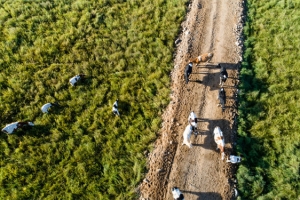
pixel 80 150
pixel 269 118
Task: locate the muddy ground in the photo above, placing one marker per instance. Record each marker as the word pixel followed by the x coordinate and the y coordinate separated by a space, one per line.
pixel 210 26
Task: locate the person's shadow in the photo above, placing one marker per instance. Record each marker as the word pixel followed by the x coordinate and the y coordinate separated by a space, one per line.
pixel 36 130
pixel 212 80
pixel 204 195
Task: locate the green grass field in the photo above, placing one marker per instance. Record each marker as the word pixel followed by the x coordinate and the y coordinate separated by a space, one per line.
pixel 81 150
pixel 269 138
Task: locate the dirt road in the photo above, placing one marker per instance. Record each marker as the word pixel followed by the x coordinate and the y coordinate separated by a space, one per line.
pixel 210 26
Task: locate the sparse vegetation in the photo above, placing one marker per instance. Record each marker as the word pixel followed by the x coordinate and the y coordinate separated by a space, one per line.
pixel 269 125
pixel 80 150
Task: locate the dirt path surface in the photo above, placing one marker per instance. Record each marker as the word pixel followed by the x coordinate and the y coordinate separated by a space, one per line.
pixel 210 26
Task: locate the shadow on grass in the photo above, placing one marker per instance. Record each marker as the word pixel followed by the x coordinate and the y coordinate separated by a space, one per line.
pixel 124 107
pixel 35 131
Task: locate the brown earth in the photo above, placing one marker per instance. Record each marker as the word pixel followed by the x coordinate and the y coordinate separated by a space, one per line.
pixel 210 26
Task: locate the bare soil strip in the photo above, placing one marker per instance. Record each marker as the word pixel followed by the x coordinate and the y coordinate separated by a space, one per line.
pixel 199 172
